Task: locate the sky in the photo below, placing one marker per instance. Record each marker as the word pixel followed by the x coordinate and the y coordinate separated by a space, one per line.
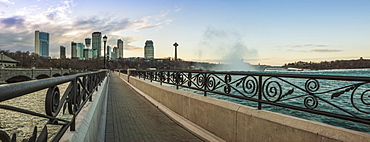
pixel 268 32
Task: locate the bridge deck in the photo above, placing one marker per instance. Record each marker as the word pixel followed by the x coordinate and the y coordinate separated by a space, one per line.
pixel 131 117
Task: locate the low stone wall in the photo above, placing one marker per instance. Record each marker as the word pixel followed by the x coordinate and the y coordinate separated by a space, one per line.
pixel 90 122
pixel 234 122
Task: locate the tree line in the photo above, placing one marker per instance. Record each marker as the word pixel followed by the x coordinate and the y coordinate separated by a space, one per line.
pixel 29 60
pixel 337 64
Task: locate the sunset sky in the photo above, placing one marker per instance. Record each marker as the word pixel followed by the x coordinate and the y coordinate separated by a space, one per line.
pixel 271 32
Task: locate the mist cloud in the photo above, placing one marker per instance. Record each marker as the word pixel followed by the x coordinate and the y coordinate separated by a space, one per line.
pixel 228 46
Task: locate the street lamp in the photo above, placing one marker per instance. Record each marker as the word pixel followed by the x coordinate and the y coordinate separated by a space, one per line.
pixel 2 56
pixel 175 44
pixel 105 38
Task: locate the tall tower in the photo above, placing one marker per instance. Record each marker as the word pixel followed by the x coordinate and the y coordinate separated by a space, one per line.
pixel 42 43
pixel 120 48
pixel 96 42
pixel 62 52
pixel 74 50
pixel 109 56
pixel 115 50
pixel 149 49
pixel 80 50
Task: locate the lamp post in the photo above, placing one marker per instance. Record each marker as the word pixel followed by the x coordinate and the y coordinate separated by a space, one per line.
pixel 2 56
pixel 175 44
pixel 105 43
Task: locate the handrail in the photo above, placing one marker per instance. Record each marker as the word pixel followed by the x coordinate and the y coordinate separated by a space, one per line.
pixel 343 97
pixel 78 92
pixel 9 91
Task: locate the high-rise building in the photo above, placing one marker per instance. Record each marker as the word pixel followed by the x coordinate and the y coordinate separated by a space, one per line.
pixel 94 53
pixel 80 50
pixel 74 50
pixel 119 53
pixel 42 43
pixel 62 52
pixel 108 52
pixel 149 49
pixel 114 55
pixel 96 42
pixel 115 51
pixel 77 50
pixel 88 53
pixel 87 42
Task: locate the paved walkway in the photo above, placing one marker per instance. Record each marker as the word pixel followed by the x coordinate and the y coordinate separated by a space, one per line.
pixel 131 117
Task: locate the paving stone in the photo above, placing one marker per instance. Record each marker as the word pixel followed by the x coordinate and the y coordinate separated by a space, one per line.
pixel 132 118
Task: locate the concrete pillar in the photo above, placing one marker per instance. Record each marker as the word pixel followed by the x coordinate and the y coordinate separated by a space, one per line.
pixel 33 73
pixel 2 79
pixel 51 74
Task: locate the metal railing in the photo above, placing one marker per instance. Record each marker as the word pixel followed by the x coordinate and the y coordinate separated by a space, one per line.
pixel 343 97
pixel 78 93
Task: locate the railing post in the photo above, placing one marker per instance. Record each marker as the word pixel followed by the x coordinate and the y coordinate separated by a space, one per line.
pixel 33 73
pixel 205 81
pixel 144 75
pixel 160 77
pixel 73 123
pixel 89 85
pixel 177 80
pixel 168 77
pixel 259 92
pixel 151 76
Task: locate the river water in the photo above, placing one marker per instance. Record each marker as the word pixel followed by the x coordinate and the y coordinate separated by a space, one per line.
pixel 23 124
pixel 335 104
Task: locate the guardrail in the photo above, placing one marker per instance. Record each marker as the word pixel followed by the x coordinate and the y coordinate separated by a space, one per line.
pixel 343 97
pixel 77 94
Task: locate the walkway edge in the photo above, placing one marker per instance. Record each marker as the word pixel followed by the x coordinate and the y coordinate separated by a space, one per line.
pixel 195 129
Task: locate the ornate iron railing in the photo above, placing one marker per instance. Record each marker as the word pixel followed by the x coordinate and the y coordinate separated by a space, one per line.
pixel 78 93
pixel 343 97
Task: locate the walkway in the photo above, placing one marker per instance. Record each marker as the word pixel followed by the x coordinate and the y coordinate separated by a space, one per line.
pixel 131 117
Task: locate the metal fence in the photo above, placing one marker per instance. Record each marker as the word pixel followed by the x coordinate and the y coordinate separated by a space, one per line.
pixel 78 93
pixel 343 97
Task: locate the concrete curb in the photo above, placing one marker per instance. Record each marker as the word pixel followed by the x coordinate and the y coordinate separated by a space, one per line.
pixel 89 119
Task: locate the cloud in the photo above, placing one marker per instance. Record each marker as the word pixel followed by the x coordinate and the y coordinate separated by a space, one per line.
pixel 128 40
pixel 132 48
pixel 310 48
pixel 308 45
pixel 325 50
pixel 145 24
pixel 27 10
pixel 177 9
pixel 297 50
pixel 6 2
pixel 149 26
pixel 15 21
pixel 17 32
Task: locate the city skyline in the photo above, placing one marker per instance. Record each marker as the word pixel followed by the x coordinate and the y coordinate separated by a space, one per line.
pixel 265 32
